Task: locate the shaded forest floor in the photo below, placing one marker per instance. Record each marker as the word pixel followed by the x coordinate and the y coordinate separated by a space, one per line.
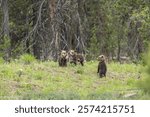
pixel 46 80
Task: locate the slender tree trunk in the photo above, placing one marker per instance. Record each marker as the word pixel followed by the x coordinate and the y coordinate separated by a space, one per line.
pixel 5 29
pixel 5 18
pixel 119 49
pixel 54 28
pixel 36 39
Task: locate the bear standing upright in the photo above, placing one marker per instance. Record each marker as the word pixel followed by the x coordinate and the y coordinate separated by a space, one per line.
pixel 102 68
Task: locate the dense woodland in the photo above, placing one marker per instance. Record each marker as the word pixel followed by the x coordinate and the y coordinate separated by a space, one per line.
pixel 33 33
pixel 42 28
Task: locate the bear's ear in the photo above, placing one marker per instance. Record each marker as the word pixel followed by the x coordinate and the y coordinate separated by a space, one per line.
pixel 71 52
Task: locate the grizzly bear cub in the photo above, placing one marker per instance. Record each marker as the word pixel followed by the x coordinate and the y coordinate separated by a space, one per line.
pixel 102 68
pixel 63 59
pixel 75 57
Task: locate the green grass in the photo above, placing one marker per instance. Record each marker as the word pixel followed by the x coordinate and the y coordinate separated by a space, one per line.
pixel 46 80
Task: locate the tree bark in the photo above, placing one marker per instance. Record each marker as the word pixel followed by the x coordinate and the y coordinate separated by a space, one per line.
pixel 36 39
pixel 54 28
pixel 5 30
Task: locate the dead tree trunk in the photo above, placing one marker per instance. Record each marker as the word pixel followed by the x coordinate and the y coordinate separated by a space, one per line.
pixel 54 28
pixel 81 35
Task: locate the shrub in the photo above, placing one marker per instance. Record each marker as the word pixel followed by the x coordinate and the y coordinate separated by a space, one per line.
pixel 1 60
pixel 131 81
pixel 145 82
pixel 27 58
pixel 7 72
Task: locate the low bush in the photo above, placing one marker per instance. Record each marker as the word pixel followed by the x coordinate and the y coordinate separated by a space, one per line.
pixel 27 58
pixel 144 83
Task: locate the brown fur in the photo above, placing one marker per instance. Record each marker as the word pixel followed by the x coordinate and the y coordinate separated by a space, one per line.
pixel 102 68
pixel 75 57
pixel 63 59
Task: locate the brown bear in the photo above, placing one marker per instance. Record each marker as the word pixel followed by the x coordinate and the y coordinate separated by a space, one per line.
pixel 102 68
pixel 63 59
pixel 75 57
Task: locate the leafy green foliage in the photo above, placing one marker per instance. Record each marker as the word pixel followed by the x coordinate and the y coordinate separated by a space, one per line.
pixel 94 44
pixel 104 25
pixel 27 58
pixel 145 83
pixel 1 60
pixel 4 45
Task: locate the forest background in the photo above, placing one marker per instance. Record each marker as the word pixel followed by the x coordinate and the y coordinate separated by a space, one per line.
pixel 40 29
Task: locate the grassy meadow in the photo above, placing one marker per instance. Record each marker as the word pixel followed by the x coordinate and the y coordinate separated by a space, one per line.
pixel 47 81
